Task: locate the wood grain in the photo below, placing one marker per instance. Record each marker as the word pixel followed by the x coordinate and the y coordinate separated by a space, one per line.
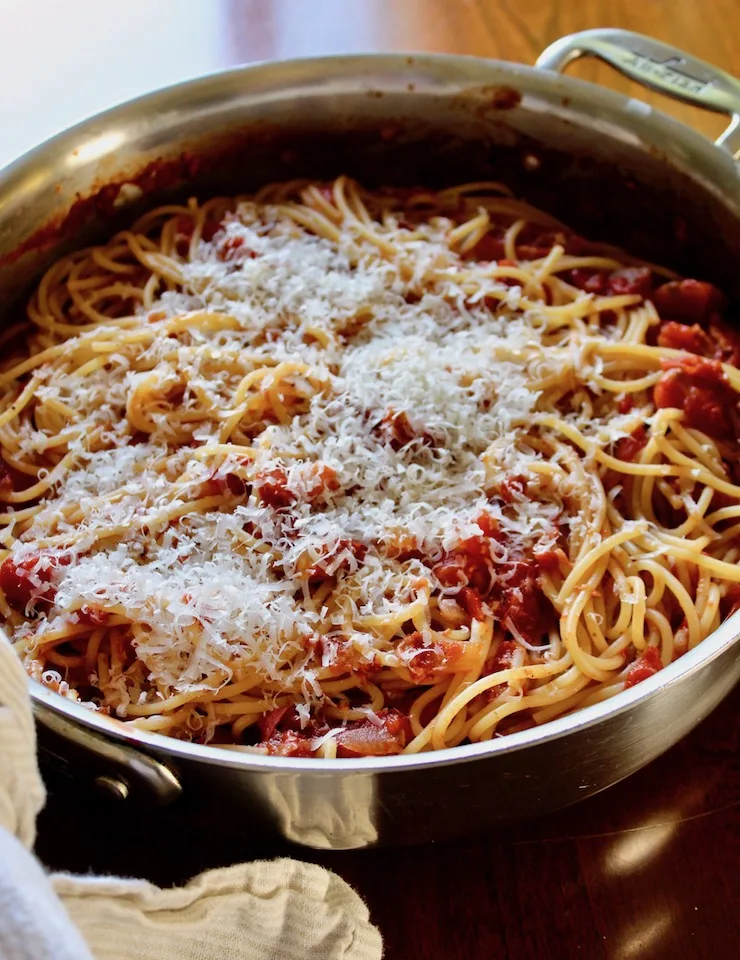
pixel 647 870
pixel 502 29
pixel 65 61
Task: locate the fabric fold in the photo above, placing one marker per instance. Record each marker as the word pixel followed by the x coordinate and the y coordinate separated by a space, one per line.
pixel 276 909
pixel 266 910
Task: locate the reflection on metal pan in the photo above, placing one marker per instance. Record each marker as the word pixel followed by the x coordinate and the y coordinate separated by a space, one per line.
pixel 571 147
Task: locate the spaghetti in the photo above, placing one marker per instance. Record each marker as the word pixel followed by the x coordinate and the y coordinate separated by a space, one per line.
pixel 337 472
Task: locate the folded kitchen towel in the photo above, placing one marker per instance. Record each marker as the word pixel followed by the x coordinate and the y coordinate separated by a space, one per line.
pixel 268 910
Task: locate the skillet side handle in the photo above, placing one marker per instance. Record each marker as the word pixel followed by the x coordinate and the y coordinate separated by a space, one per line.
pixel 116 769
pixel 656 65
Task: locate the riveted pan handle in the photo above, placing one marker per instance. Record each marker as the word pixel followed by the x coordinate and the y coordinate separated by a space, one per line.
pixel 115 769
pixel 658 66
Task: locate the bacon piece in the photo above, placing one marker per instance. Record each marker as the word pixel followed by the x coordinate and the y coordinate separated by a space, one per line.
pixel 592 281
pixel 647 664
pixel 275 724
pixel 269 722
pixel 688 301
pixel 342 657
pixel 698 387
pixel 510 588
pixel 289 743
pixel 471 563
pixel 29 582
pixel 629 448
pixel 367 739
pixel 427 663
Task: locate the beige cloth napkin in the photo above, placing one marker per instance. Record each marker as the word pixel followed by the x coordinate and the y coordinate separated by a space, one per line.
pixel 277 910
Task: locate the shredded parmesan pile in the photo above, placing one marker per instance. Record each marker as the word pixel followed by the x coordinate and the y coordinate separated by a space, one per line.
pixel 351 340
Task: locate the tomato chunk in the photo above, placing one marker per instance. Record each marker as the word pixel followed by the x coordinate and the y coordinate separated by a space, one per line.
pixel 726 341
pixel 398 432
pixel 688 301
pixel 551 559
pixel 343 555
pixel 488 248
pixel 320 479
pixel 647 664
pixel 271 487
pixel 680 336
pixel 502 659
pixel 628 448
pixel 631 280
pixel 469 565
pixel 425 662
pixel 512 486
pixel 509 587
pixel 522 604
pixel 93 615
pixel 30 581
pixel 223 483
pixel 473 602
pixel 719 341
pixel 698 387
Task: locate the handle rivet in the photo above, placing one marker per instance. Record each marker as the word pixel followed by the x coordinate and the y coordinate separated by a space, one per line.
pixel 114 788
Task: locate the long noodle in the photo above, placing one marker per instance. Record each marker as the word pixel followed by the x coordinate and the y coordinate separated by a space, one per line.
pixel 578 565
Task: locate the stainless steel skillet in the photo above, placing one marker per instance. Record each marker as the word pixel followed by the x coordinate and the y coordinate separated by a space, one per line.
pixel 612 165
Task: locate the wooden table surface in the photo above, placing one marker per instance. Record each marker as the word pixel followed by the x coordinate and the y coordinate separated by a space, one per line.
pixel 647 870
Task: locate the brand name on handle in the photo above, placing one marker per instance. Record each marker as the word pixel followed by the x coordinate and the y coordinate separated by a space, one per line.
pixel 661 71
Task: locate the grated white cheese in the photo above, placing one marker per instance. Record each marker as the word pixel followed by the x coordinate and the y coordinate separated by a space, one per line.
pixel 378 338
